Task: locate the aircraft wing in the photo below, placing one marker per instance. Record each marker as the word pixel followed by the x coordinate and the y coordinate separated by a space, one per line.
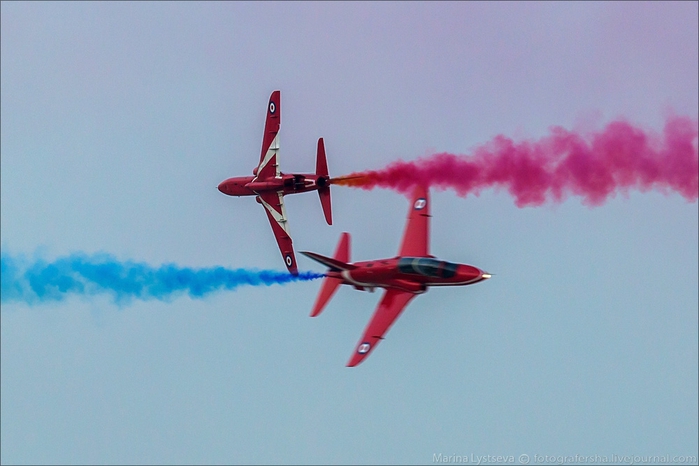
pixel 269 158
pixel 273 202
pixel 416 237
pixel 392 304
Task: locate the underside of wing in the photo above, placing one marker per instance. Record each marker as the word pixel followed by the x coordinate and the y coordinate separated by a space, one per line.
pixel 269 158
pixel 417 230
pixel 392 304
pixel 273 202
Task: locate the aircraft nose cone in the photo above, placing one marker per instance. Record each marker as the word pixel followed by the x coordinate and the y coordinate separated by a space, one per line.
pixel 471 274
pixel 222 187
pixel 468 273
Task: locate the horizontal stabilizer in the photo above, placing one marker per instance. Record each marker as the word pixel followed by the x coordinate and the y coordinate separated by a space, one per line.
pixel 324 194
pixel 321 160
pixel 327 290
pixel 333 264
pixel 330 284
pixel 323 182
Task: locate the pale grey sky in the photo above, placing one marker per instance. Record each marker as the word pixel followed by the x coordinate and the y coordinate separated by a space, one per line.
pixel 119 120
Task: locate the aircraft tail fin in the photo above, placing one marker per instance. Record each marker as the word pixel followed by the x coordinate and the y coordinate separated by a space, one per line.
pixel 338 263
pixel 322 181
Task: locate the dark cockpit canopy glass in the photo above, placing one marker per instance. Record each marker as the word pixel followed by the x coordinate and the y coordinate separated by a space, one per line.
pixel 427 267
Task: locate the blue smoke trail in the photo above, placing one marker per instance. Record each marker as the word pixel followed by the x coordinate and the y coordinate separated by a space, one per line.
pixel 39 281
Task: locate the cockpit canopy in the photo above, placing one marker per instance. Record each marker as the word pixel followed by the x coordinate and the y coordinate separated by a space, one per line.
pixel 427 267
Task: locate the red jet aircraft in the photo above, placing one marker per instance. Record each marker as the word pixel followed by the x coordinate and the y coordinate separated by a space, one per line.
pixel 269 185
pixel 403 277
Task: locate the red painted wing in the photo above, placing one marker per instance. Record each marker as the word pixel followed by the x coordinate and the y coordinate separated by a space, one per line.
pixel 392 304
pixel 273 202
pixel 269 158
pixel 416 237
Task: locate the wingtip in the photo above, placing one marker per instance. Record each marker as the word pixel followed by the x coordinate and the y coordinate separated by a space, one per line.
pixel 354 361
pixel 357 357
pixel 317 308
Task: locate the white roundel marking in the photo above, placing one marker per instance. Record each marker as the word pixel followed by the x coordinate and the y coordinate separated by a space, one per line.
pixel 272 107
pixel 363 348
pixel 289 261
pixel 420 203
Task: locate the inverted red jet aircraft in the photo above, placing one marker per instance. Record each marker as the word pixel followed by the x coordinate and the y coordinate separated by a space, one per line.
pixel 403 277
pixel 269 185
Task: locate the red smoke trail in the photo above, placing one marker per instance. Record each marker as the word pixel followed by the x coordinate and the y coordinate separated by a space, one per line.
pixel 618 158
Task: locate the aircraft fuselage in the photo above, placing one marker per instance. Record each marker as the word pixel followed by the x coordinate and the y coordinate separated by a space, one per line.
pixel 409 274
pixel 287 183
